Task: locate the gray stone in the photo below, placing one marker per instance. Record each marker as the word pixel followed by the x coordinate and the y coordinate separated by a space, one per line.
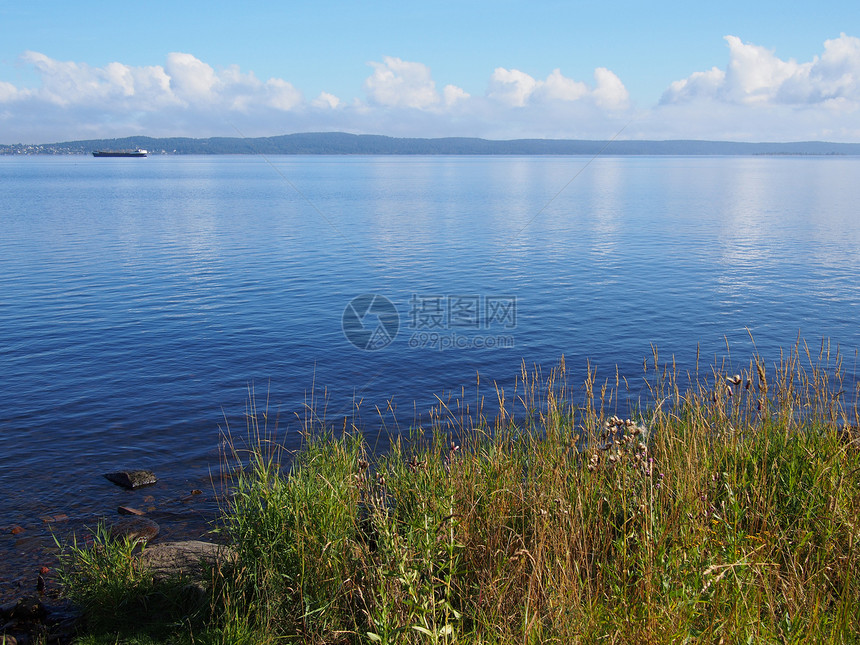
pixel 132 478
pixel 136 529
pixel 190 559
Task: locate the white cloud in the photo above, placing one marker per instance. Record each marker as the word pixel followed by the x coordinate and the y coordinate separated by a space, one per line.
pixel 281 95
pixel 755 95
pixel 610 92
pixel 9 92
pixel 453 94
pixel 698 84
pixel 191 79
pixel 558 87
pixel 69 83
pixel 518 89
pixel 326 100
pixel 400 83
pixel 755 76
pixel 183 81
pixel 511 86
pixel 761 97
pixel 184 96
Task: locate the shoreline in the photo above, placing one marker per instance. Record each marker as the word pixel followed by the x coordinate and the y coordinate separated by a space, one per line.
pixel 721 490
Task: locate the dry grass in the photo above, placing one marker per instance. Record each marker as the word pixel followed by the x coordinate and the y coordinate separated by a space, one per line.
pixel 726 511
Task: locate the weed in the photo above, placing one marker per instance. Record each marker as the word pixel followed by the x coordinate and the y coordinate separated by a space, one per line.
pixel 726 510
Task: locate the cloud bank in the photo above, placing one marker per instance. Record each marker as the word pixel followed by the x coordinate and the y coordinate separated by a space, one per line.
pixel 755 96
pixel 761 97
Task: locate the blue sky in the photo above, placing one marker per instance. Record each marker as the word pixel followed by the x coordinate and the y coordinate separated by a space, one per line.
pixel 761 71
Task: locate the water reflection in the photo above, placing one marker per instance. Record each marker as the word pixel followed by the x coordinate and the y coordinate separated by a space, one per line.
pixel 136 309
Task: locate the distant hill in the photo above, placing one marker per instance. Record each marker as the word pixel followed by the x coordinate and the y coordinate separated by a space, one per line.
pixel 340 143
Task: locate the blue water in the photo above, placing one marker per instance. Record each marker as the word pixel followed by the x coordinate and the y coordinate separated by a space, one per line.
pixel 141 298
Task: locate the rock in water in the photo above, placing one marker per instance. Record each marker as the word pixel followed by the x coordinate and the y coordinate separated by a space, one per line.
pixel 136 529
pixel 132 478
pixel 128 510
pixel 28 608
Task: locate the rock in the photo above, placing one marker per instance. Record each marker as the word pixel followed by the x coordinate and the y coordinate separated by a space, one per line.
pixel 63 620
pixel 29 608
pixel 190 559
pixel 132 478
pixel 6 610
pixel 62 517
pixel 136 529
pixel 8 639
pixel 128 510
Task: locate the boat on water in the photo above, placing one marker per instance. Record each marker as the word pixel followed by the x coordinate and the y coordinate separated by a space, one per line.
pixel 120 153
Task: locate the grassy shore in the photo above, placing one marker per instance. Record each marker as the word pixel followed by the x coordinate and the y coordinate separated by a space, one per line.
pixel 726 509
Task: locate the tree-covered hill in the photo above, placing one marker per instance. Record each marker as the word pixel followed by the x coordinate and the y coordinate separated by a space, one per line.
pixel 340 143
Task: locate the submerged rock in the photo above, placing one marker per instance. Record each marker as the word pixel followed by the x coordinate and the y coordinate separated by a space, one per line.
pixel 132 478
pixel 34 622
pixel 6 610
pixel 136 529
pixel 28 608
pixel 128 510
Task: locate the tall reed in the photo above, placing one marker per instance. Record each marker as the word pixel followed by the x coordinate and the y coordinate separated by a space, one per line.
pixel 723 510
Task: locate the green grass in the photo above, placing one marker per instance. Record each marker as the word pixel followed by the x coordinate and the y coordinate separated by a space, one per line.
pixel 724 511
pixel 121 600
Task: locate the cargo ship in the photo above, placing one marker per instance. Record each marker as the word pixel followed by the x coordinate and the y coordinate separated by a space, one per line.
pixel 120 153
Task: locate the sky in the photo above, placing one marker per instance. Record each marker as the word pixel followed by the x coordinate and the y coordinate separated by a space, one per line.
pixel 506 69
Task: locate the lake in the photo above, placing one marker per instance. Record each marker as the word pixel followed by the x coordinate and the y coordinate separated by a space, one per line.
pixel 142 299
